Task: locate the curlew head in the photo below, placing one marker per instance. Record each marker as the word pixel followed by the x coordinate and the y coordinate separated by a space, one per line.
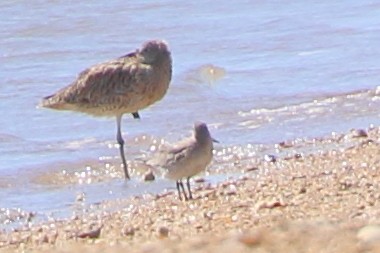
pixel 154 50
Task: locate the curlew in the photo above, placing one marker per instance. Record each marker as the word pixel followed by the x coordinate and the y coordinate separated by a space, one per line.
pixel 123 85
pixel 186 158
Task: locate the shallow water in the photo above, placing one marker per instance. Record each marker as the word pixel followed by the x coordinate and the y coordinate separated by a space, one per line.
pixel 257 72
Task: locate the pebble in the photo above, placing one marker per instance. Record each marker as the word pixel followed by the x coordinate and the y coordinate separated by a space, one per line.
pixel 302 190
pixel 91 234
pixel 251 169
pixel 163 232
pixel 199 180
pixel 149 176
pixel 128 231
pixel 359 133
pixel 270 158
pixel 44 239
pixel 231 190
pixel 250 239
pixel 270 204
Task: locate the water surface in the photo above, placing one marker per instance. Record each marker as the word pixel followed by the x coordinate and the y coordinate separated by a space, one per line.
pixel 287 69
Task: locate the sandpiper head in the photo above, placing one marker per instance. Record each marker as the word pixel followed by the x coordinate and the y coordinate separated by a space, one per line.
pixel 154 50
pixel 201 132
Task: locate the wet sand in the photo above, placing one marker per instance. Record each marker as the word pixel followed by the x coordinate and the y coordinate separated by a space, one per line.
pixel 325 200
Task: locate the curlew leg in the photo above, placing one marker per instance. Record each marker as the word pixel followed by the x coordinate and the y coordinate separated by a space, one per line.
pixel 188 187
pixel 120 140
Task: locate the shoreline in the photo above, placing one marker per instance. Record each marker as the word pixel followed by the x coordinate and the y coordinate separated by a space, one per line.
pixel 324 200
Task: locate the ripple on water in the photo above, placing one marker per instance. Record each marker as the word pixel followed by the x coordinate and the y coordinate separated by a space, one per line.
pixel 104 169
pixel 15 216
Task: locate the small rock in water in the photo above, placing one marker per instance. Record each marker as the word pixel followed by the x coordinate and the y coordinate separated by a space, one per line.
pixel 149 176
pixel 208 74
pixel 284 144
pixel 80 197
pixel 211 74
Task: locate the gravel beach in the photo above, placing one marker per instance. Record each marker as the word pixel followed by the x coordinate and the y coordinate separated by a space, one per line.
pixel 322 200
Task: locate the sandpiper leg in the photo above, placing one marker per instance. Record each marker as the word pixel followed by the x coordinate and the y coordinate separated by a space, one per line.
pixel 188 187
pixel 180 184
pixel 121 146
pixel 183 189
pixel 179 190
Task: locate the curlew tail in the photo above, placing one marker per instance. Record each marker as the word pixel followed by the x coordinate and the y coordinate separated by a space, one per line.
pixel 53 102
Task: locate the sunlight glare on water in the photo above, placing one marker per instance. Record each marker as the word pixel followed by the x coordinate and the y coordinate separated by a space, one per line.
pixel 258 72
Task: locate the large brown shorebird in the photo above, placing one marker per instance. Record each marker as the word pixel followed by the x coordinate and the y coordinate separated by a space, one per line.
pixel 124 85
pixel 186 158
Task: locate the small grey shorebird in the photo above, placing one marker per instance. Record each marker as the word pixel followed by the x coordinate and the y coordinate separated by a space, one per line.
pixel 123 85
pixel 186 158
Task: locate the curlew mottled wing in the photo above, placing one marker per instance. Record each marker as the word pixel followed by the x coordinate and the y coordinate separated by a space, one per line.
pixel 113 85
